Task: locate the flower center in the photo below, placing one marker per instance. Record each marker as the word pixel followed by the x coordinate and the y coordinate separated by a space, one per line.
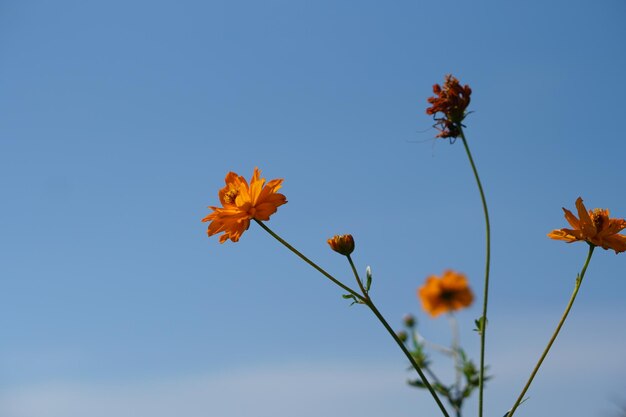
pixel 448 296
pixel 598 218
pixel 230 196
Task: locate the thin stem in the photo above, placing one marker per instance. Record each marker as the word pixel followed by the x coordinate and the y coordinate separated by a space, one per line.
pixel 441 349
pixel 310 262
pixel 454 327
pixel 418 369
pixel 579 280
pixel 356 275
pixel 433 376
pixel 367 301
pixel 483 319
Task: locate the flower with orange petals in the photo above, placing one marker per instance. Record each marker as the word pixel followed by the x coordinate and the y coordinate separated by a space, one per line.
pixel 242 202
pixel 594 227
pixel 343 244
pixel 452 99
pixel 445 294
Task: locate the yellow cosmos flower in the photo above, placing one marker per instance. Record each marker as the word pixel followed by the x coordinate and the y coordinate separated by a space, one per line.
pixel 594 227
pixel 444 294
pixel 242 202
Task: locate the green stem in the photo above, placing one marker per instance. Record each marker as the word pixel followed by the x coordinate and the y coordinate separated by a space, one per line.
pixel 356 275
pixel 367 301
pixel 579 280
pixel 417 368
pixel 310 262
pixel 481 378
pixel 456 345
pixel 433 376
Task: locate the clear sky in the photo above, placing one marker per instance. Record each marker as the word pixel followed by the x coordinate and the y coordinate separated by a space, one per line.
pixel 119 121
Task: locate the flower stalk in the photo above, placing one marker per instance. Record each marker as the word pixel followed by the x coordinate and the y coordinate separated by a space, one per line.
pixel 483 319
pixel 579 280
pixel 363 298
pixel 452 100
pixel 456 346
pixel 358 279
pixel 406 352
pixel 310 262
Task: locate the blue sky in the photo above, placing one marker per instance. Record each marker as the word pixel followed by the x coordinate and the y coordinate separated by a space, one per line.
pixel 119 121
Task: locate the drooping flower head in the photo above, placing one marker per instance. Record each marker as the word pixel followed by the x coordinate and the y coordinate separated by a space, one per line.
pixel 594 227
pixel 343 244
pixel 452 100
pixel 242 202
pixel 444 294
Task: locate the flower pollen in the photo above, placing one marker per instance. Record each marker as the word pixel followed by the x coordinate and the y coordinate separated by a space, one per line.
pixel 230 196
pixel 597 217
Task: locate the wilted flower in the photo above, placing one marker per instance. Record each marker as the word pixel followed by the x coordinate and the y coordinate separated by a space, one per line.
pixel 452 99
pixel 241 203
pixel 444 294
pixel 343 244
pixel 594 227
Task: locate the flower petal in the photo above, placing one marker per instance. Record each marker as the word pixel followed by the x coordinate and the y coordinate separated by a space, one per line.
pixel 571 219
pixel 567 235
pixel 586 224
pixel 615 242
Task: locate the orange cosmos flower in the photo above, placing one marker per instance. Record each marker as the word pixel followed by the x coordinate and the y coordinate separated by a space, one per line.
pixel 242 202
pixel 343 244
pixel 444 294
pixel 451 100
pixel 594 227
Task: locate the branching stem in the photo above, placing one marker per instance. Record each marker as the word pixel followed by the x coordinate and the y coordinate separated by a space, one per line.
pixel 364 299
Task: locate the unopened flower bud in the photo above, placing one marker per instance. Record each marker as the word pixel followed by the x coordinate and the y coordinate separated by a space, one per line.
pixel 409 320
pixel 402 336
pixel 343 244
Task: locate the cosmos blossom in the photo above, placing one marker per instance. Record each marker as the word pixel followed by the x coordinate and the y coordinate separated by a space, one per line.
pixel 594 227
pixel 445 294
pixel 242 202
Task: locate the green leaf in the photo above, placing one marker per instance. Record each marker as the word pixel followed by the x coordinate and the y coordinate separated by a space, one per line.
pixel 350 297
pixel 442 389
pixel 416 383
pixel 480 325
